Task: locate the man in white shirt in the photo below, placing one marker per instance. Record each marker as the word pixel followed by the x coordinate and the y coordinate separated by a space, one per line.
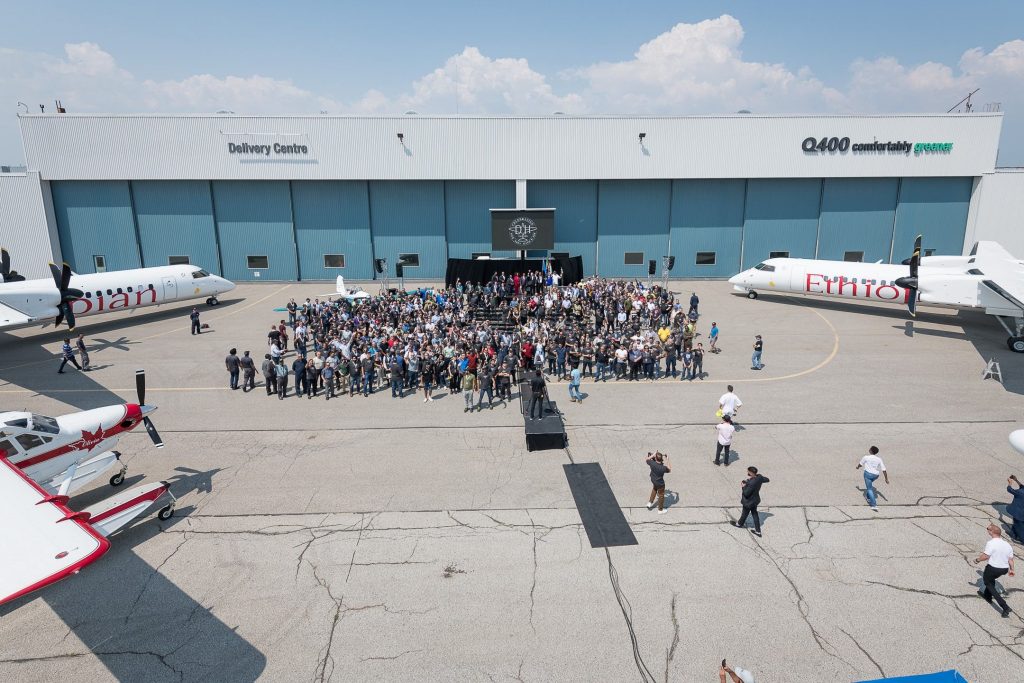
pixel 999 558
pixel 736 674
pixel 725 431
pixel 873 467
pixel 730 402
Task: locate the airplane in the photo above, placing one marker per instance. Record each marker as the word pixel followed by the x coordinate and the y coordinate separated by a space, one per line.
pixel 42 460
pixel 63 454
pixel 990 278
pixel 69 295
pixel 346 293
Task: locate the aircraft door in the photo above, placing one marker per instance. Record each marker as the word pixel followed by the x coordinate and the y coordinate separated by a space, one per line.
pixel 170 288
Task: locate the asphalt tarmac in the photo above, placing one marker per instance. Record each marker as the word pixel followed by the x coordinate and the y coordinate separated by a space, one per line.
pixel 385 539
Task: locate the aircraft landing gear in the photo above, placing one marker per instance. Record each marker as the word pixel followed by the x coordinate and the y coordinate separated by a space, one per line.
pixel 1016 344
pixel 165 513
pixel 212 301
pixel 118 478
pixel 751 294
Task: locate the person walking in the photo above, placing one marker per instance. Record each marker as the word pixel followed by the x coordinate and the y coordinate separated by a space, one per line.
pixel 194 317
pixel 725 432
pixel 660 465
pixel 750 498
pixel 575 377
pixel 233 368
pixel 755 359
pixel 67 356
pixel 998 559
pixel 82 352
pixel 1016 509
pixel 729 403
pixel 538 392
pixel 713 337
pixel 281 370
pixel 248 372
pixel 269 369
pixel 873 467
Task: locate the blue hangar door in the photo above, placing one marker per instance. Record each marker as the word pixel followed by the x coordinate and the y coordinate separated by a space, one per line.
pixel 332 229
pixel 175 219
pixel 254 223
pixel 95 224
pixel 781 219
pixel 407 220
pixel 707 227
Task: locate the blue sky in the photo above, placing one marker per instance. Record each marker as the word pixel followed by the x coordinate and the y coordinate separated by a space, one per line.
pixel 594 57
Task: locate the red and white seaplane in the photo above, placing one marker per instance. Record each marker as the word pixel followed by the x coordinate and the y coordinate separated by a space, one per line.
pixel 44 459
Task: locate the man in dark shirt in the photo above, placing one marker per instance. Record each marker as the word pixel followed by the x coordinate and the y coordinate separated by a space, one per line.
pixel 274 336
pixel 312 378
pixel 248 372
pixel 660 465
pixel 299 370
pixel 486 382
pixel 694 303
pixel 269 375
pixel 395 370
pixel 232 365
pixel 194 317
pixel 750 498
pixel 538 392
pixel 755 359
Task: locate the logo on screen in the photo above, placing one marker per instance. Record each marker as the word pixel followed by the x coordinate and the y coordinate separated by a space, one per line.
pixel 522 231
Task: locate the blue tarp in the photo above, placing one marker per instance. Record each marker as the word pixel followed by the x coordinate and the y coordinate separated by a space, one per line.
pixel 951 676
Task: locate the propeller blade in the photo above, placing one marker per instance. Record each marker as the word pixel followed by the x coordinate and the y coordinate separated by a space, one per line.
pixel 60 316
pixel 915 258
pixel 5 264
pixel 70 316
pixel 65 278
pixel 72 293
pixel 157 441
pixel 140 386
pixel 912 302
pixel 55 271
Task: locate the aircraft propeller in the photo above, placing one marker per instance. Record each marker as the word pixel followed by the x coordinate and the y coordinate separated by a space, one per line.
pixel 62 278
pixel 140 388
pixel 911 282
pixel 5 268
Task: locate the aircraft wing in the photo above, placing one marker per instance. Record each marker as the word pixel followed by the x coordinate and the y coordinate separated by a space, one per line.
pixel 42 540
pixel 10 317
pixel 1002 273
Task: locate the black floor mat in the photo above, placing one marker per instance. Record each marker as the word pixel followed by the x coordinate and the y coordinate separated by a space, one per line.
pixel 602 517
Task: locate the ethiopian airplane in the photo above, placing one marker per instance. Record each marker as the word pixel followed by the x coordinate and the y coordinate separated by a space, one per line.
pixel 990 279
pixel 69 295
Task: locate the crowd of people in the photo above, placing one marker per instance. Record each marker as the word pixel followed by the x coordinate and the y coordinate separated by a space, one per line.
pixel 479 338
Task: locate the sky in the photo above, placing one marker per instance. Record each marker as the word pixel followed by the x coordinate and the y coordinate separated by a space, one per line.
pixel 523 57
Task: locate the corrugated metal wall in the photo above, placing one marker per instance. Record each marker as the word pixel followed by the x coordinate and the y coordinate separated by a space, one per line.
pixel 933 207
pixel 575 204
pixel 781 215
pixel 632 216
pixel 23 226
pixel 857 214
pixel 467 205
pixel 94 218
pixel 175 218
pixel 407 217
pixel 707 216
pixel 254 218
pixel 332 217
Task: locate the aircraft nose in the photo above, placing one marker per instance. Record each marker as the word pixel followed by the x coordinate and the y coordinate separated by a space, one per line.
pixel 224 285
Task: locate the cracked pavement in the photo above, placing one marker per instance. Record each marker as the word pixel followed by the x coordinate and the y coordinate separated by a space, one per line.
pixel 312 538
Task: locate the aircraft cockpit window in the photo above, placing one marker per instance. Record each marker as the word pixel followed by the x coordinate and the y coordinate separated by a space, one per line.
pixel 199 274
pixel 44 424
pixel 765 267
pixel 6 447
pixel 21 423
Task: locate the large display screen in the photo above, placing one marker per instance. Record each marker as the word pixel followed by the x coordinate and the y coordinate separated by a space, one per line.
pixel 516 229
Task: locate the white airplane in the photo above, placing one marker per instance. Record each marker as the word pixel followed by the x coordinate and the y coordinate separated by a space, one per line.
pixel 69 295
pixel 42 460
pixel 990 278
pixel 345 292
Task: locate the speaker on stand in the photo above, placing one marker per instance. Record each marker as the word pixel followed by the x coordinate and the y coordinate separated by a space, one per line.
pixel 652 267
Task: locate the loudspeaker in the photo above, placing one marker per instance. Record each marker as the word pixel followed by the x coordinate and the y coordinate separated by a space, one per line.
pixel 378 265
pixel 652 267
pixel 399 271
pixel 671 262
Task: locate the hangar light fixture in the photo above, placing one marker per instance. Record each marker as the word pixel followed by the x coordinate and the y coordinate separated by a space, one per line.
pixel 642 136
pixel 401 138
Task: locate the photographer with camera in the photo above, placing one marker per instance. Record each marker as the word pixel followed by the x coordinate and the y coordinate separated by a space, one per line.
pixel 660 465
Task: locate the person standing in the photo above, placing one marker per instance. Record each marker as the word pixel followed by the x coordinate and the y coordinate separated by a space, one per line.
pixel 312 375
pixel 729 403
pixel 1016 509
pixel 269 369
pixel 538 392
pixel 82 352
pixel 328 376
pixel 485 382
pixel 281 370
pixel 233 367
pixel 687 364
pixel 660 465
pixel 469 385
pixel 725 432
pixel 998 559
pixel 735 674
pixel 395 374
pixel 698 361
pixel 575 377
pixel 873 467
pixel 713 336
pixel 694 303
pixel 194 317
pixel 299 370
pixel 67 356
pixel 248 372
pixel 750 498
pixel 755 360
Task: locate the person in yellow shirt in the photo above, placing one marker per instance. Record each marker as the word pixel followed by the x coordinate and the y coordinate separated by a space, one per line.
pixel 664 332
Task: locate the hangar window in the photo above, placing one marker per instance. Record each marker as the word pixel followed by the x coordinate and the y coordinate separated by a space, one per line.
pixel 853 256
pixel 99 263
pixel 409 260
pixel 177 260
pixel 334 260
pixel 633 258
pixel 257 262
pixel 778 254
pixel 706 258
